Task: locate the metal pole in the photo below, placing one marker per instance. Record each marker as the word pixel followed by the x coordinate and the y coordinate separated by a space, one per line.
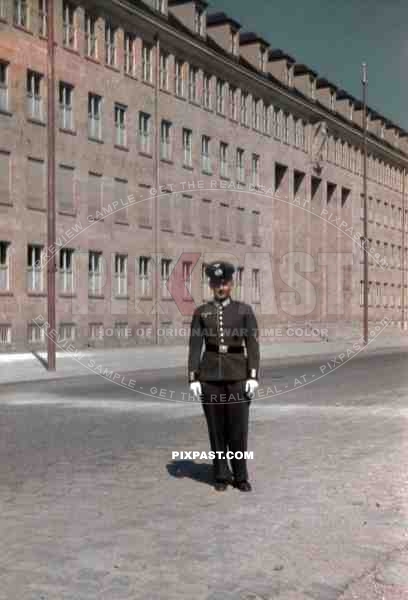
pixel 51 185
pixel 156 220
pixel 403 253
pixel 365 316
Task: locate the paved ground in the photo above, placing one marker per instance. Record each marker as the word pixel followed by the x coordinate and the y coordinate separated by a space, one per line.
pixel 92 507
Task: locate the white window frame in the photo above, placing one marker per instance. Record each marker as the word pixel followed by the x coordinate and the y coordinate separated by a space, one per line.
pixel 42 17
pixel 94 116
pixel 220 96
pixel 4 266
pixel 110 44
pixel 95 273
pixel 165 140
pixel 187 268
pixel 66 270
pixel 164 71
pixel 179 67
pixel 240 164
pixel 166 265
pixel 145 263
pixel 147 65
pixel 21 13
pixel 256 285
pixel 91 39
pixel 35 272
pixel 193 84
pixel 4 86
pixel 69 25
pixel 255 168
pixel 120 274
pixel 188 147
pixel 224 150
pixel 66 93
pixel 5 334
pixel 205 154
pixel 145 132
pixel 130 54
pixel 120 125
pixel 207 99
pixel 34 95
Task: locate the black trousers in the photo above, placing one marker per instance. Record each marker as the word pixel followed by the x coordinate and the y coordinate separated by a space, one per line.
pixel 226 409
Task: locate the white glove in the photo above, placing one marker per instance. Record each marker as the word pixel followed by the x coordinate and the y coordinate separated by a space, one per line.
pixel 195 389
pixel 250 387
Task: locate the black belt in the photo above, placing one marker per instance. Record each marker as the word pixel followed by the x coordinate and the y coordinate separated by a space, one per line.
pixel 225 349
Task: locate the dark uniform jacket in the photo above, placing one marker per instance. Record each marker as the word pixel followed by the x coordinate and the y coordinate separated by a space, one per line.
pixel 223 328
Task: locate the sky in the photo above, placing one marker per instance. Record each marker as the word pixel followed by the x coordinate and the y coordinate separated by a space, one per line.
pixel 333 37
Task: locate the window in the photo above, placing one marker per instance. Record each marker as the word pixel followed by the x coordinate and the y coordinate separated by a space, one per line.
pixel 192 84
pixel 120 124
pixel 165 140
pixel 234 43
pixel 262 59
pixel 145 132
pixel 205 218
pixel 313 88
pixel 36 334
pixel 256 285
pixel 164 71
pixel 94 116
pixel 187 147
pixel 240 165
pixel 110 45
pixel 91 48
pixel 69 29
pixel 265 119
pixel 233 105
pixel 205 154
pixel 300 134
pixel 207 91
pixel 220 99
pixel 4 265
pixel 120 283
pixel 255 218
pixel 179 78
pixel 145 276
pixel 66 275
pixel 95 331
pixel 42 15
pixel 35 280
pixel 255 170
pixel 224 159
pixel 66 93
pixel 20 15
pixel 256 114
pixel 129 54
pixel 244 109
pixel 166 264
pixel 95 273
pixel 147 71
pixel 66 331
pixel 5 334
pixel 205 284
pixel 34 99
pixel 239 284
pixel 4 101
pixel 187 268
pixel 199 20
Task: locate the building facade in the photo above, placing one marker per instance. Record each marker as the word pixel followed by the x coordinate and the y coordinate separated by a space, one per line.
pixel 181 139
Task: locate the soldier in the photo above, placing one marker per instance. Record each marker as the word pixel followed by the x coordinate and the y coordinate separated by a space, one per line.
pixel 226 376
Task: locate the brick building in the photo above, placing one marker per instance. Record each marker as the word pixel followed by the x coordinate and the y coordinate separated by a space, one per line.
pixel 254 157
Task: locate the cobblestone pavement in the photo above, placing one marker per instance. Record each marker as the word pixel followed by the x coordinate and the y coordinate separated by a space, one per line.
pixel 93 507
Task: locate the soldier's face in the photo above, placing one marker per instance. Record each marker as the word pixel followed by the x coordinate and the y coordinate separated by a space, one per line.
pixel 222 290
